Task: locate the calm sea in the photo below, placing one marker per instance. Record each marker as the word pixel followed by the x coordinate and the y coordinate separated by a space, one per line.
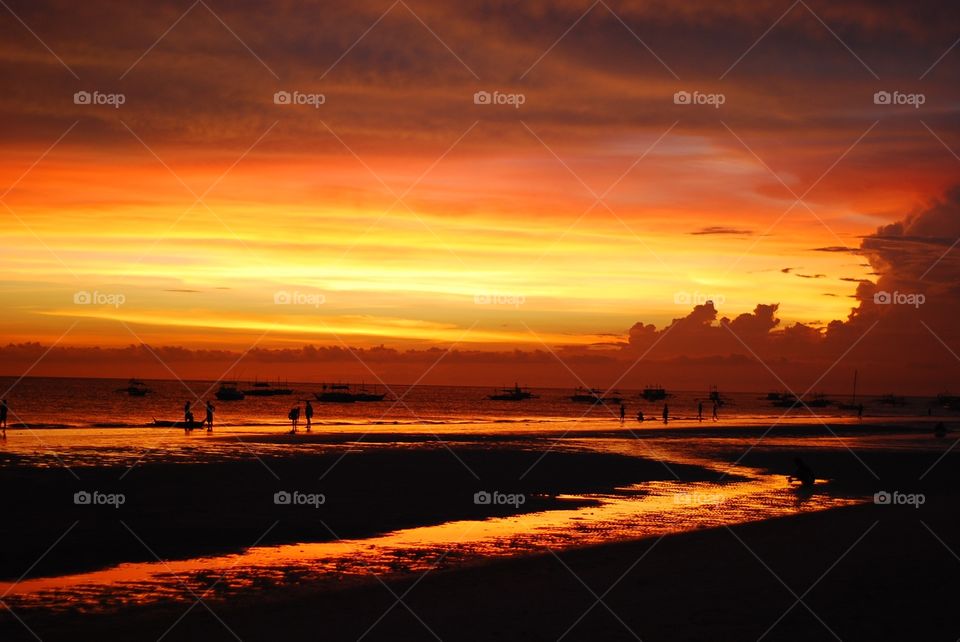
pixel 83 403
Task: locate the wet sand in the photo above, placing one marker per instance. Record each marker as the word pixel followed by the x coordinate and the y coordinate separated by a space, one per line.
pixel 894 583
pixel 186 510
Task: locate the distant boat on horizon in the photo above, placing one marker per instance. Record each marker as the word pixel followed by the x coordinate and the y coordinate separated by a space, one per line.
pixel 513 394
pixel 136 388
pixel 891 399
pixel 949 401
pixel 346 393
pixel 596 396
pixel 266 389
pixel 229 392
pixel 654 393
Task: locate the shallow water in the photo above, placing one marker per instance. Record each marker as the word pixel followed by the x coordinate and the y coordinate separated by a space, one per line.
pixel 647 509
pixel 40 402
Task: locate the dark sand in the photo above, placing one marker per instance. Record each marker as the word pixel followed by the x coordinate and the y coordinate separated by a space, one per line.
pixel 186 510
pixel 873 573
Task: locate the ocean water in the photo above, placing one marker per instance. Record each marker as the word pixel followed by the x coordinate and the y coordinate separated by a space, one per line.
pixel 98 403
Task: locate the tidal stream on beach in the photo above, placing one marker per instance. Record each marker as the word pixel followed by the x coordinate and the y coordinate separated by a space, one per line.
pixel 642 509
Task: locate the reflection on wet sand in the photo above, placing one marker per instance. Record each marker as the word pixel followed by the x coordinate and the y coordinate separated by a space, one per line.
pixel 641 510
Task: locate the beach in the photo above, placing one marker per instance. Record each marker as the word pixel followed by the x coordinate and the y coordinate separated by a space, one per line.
pixel 378 509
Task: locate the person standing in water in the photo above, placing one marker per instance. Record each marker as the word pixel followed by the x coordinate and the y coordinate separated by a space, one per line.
pixel 308 413
pixel 294 416
pixel 4 408
pixel 186 410
pixel 623 412
pixel 716 408
pixel 666 413
pixel 699 411
pixel 210 410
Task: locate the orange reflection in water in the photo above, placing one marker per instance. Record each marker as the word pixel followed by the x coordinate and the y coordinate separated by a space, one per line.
pixel 641 510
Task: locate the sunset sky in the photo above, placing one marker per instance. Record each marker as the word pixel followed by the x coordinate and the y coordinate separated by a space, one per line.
pixel 201 214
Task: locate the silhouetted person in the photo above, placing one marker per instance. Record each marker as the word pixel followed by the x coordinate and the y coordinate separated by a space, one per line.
pixel 940 430
pixel 210 410
pixel 188 420
pixel 666 413
pixel 186 410
pixel 294 416
pixel 802 473
pixel 640 416
pixel 308 413
pixel 623 412
pixel 699 411
pixel 4 408
pixel 716 413
pixel 860 412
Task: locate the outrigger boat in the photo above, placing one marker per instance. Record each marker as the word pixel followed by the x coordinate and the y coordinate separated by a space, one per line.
pixel 229 392
pixel 786 400
pixel 513 394
pixel 595 396
pixel 892 400
pixel 136 388
pixel 949 401
pixel 265 389
pixel 345 393
pixel 654 393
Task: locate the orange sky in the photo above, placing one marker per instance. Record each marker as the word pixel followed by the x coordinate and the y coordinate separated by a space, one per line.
pixel 399 212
